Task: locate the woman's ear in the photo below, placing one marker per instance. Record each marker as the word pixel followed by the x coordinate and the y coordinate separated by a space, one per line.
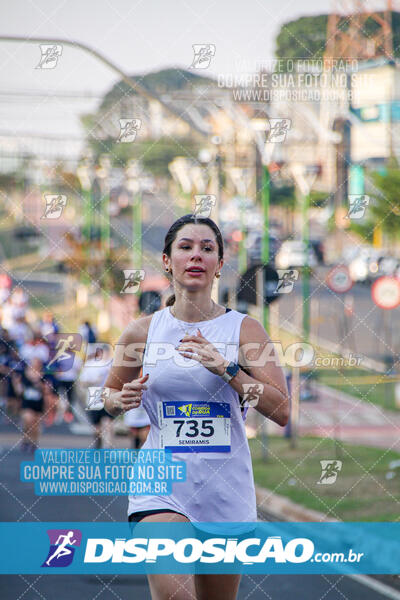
pixel 166 260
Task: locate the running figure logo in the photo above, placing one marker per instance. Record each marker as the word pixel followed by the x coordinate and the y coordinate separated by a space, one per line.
pixel 204 204
pixel 50 55
pixel 358 204
pixel 251 393
pixel 278 130
pixel 330 471
pixel 62 547
pixel 287 278
pixel 128 129
pixel 64 353
pixel 133 277
pixel 96 398
pixel 203 54
pixel 186 409
pixel 54 206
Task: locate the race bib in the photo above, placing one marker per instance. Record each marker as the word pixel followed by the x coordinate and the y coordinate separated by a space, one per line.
pixel 195 426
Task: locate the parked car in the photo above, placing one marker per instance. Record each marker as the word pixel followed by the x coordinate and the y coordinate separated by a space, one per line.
pixel 388 265
pixel 254 247
pixel 364 267
pixel 293 254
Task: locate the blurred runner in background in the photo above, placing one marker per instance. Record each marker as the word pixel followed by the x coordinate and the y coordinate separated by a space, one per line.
pixel 48 325
pixel 88 332
pixel 31 387
pixel 66 389
pixel 138 422
pixel 94 373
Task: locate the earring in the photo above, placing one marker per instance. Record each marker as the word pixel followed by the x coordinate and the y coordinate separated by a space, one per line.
pixel 217 275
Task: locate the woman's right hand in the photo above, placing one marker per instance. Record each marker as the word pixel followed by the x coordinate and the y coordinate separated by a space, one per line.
pixel 129 397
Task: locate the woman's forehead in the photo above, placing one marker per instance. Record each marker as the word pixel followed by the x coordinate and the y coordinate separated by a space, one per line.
pixel 196 232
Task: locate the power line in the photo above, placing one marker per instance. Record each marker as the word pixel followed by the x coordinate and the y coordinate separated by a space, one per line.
pixel 45 94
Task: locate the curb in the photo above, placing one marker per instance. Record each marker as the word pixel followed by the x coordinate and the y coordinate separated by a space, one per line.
pixel 280 508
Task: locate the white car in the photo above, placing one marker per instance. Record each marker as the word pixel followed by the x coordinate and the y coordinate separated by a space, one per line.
pixel 292 253
pixel 365 264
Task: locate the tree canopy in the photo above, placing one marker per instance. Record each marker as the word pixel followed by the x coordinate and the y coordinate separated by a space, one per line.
pixel 306 37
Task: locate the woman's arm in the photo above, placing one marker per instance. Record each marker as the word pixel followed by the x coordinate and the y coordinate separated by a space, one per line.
pixel 126 367
pixel 258 355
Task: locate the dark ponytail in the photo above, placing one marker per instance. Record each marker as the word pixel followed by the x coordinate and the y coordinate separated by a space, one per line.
pixel 170 301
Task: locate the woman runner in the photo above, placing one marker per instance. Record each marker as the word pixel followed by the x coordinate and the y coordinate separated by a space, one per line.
pixel 30 385
pixel 188 389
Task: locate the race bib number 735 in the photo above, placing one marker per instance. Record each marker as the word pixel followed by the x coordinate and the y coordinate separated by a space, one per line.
pixel 195 426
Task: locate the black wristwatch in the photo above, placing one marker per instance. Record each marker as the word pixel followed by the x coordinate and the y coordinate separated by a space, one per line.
pixel 230 371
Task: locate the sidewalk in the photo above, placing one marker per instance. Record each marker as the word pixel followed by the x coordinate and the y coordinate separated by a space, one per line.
pixel 338 415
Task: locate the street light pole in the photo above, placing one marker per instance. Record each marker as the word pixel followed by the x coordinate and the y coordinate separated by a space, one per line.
pixel 132 174
pixel 306 271
pixel 85 178
pixel 137 230
pixel 305 176
pixel 265 196
pixel 103 173
pixel 263 153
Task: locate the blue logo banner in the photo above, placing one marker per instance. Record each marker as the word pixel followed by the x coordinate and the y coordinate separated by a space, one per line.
pixel 137 548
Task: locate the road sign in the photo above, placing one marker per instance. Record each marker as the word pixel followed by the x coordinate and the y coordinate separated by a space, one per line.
pixel 385 292
pixel 247 288
pixel 5 280
pixel 339 280
pixel 149 302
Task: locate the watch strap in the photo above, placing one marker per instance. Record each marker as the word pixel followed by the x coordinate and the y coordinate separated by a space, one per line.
pixel 230 371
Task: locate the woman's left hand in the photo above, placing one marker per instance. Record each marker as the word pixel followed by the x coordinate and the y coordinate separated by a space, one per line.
pixel 200 349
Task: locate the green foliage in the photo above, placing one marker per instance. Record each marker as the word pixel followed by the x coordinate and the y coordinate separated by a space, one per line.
pixel 284 195
pixel 159 82
pixel 306 37
pixel 319 199
pixel 396 33
pixel 365 229
pixel 156 155
pixel 385 209
pixel 294 473
pixel 303 38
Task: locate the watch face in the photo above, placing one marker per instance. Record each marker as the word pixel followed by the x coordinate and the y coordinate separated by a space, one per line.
pixel 232 368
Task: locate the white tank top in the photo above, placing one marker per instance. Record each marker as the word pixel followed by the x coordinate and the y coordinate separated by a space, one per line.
pixel 208 432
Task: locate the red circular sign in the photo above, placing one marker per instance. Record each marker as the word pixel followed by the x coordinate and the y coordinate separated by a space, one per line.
pixel 385 292
pixel 5 280
pixel 339 280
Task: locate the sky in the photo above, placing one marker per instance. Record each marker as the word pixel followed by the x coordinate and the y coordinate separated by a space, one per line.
pixel 136 35
pixel 142 35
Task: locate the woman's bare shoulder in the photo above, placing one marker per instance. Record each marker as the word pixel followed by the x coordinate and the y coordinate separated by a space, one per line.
pixel 251 330
pixel 137 330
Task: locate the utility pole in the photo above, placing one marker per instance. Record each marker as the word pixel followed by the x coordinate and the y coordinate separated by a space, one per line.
pixel 305 176
pixel 265 238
